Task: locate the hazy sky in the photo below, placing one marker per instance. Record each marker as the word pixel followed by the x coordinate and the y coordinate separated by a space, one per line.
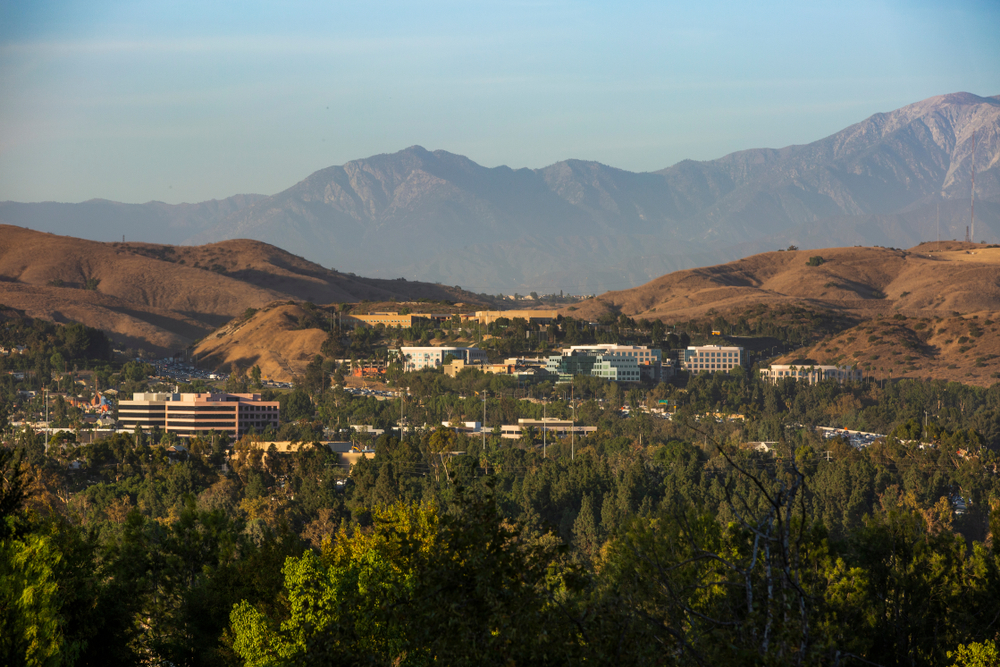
pixel 177 101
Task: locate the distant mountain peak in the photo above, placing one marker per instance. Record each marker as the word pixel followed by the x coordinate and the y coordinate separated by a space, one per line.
pixel 581 226
pixel 963 98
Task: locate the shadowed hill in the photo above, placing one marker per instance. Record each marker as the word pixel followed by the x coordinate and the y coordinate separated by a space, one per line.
pixel 165 297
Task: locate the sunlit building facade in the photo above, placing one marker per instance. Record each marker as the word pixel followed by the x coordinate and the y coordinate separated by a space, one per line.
pixel 191 414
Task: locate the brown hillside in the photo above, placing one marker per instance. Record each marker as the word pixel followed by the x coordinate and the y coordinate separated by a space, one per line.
pixel 165 297
pixel 927 312
pixel 928 280
pixel 270 339
pixel 960 349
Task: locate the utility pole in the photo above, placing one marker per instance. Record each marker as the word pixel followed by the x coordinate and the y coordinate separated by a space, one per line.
pixel 572 441
pixel 401 399
pixel 544 433
pixel 483 427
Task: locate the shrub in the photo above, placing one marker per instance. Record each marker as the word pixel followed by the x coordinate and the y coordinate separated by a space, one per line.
pixel 815 261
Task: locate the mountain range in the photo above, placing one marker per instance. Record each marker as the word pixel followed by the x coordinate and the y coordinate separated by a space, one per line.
pixel 894 179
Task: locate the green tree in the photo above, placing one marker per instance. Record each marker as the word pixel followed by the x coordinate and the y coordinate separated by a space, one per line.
pixel 315 380
pixel 30 622
pixel 297 405
pixel 459 589
pixel 976 654
pixel 237 382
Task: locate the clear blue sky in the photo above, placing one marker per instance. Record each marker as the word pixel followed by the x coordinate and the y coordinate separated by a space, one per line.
pixel 187 101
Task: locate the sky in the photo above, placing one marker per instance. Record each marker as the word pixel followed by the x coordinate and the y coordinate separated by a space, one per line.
pixel 190 101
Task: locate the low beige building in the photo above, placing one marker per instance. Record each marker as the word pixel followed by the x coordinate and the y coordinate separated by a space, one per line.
pixel 811 374
pixel 389 320
pixel 560 428
pixel 490 316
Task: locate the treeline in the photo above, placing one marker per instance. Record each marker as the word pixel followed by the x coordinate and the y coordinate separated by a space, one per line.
pixel 507 337
pixel 653 541
pixel 51 347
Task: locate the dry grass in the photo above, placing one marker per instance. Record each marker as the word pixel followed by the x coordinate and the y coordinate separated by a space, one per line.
pixel 163 298
pixel 940 289
pixel 926 280
pixel 270 339
pixel 958 348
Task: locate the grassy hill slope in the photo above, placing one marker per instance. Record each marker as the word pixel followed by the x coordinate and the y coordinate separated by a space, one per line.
pixel 913 312
pixel 163 297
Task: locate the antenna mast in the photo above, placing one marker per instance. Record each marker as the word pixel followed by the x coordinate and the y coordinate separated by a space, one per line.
pixel 973 206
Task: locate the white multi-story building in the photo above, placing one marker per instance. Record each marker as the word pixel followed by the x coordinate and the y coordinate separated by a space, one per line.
pixel 811 374
pixel 711 358
pixel 419 358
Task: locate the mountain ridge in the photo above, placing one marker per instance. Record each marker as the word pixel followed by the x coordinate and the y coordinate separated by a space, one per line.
pixel 586 227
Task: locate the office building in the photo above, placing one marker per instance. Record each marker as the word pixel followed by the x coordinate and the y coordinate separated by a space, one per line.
pixel 191 414
pixel 649 361
pixel 811 374
pixel 419 358
pixel 620 363
pixel 711 358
